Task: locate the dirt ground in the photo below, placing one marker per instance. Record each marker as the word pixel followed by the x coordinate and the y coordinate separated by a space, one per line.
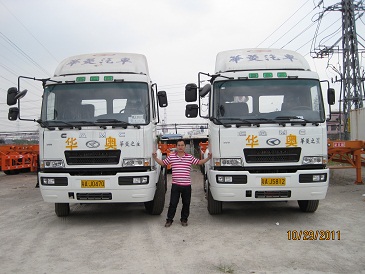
pixel 122 238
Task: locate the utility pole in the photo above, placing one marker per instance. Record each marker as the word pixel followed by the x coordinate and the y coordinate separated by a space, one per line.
pixel 352 93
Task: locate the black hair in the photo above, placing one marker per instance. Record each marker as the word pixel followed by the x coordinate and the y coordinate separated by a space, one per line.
pixel 180 140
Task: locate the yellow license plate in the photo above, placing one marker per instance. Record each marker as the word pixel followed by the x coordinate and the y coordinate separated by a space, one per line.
pixel 92 184
pixel 273 181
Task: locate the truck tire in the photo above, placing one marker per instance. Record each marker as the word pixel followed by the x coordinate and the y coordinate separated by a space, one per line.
pixel 165 178
pixel 202 169
pixel 205 178
pixel 214 207
pixel 155 207
pixel 62 209
pixel 308 205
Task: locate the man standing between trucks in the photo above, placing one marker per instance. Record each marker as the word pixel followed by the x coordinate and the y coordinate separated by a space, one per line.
pixel 181 182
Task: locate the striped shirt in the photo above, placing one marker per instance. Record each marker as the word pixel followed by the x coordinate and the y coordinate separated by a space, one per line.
pixel 181 167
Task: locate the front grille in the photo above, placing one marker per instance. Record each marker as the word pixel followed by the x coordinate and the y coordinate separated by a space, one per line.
pixel 92 157
pixel 94 196
pixel 272 155
pixel 273 194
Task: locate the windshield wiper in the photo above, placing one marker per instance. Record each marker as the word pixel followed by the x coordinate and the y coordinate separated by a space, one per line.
pixel 64 124
pixel 248 122
pixel 45 124
pixel 219 122
pixel 296 120
pixel 288 117
pixel 240 122
pixel 115 123
pixel 258 121
pixel 69 124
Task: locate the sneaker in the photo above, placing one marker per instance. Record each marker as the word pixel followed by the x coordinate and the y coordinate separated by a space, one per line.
pixel 184 223
pixel 168 223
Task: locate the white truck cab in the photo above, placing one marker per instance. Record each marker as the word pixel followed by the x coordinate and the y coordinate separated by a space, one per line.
pixel 267 129
pixel 98 131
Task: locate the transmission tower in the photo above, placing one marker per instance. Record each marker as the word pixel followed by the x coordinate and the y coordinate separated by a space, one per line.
pixel 352 92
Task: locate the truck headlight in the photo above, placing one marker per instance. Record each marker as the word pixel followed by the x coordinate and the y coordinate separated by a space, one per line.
pixel 135 162
pixel 52 164
pixel 227 162
pixel 54 181
pixel 140 180
pixel 224 179
pixel 313 178
pixel 313 160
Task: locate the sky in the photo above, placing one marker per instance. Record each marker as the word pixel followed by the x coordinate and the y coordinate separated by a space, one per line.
pixel 179 38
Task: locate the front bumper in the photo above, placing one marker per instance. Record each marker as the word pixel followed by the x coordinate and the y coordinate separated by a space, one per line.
pixel 249 188
pixel 114 189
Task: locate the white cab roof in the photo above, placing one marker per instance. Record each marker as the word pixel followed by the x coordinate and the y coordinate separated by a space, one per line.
pixel 258 59
pixel 103 63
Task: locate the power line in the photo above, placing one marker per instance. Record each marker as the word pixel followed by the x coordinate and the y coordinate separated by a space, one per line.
pixel 35 38
pixel 307 28
pixel 13 45
pixel 283 23
pixel 311 40
pixel 352 94
pixel 294 27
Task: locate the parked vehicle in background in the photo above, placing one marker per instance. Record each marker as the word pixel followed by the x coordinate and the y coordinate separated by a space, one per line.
pixel 18 158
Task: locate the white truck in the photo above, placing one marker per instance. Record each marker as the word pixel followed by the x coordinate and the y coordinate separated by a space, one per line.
pixel 263 149
pixel 97 132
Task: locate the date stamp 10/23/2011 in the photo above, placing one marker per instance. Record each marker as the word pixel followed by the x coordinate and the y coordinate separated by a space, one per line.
pixel 314 235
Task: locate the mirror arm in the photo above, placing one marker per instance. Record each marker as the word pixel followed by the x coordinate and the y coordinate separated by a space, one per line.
pixel 156 102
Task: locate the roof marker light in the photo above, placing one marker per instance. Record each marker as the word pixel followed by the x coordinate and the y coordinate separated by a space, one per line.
pixel 80 79
pixel 253 75
pixel 94 78
pixel 282 75
pixel 267 75
pixel 108 78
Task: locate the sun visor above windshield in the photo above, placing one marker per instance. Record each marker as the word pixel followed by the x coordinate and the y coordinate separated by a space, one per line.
pixel 259 59
pixel 103 63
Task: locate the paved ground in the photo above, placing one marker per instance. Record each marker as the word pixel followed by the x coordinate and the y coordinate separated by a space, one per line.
pixel 122 238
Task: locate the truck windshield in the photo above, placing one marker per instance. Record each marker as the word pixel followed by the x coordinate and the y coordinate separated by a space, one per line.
pixel 92 103
pixel 267 101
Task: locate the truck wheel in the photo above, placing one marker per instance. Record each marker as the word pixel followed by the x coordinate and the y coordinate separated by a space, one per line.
pixel 202 169
pixel 165 178
pixel 155 207
pixel 214 207
pixel 62 209
pixel 205 184
pixel 308 205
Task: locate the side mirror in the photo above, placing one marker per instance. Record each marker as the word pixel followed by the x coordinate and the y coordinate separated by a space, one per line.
pixel 162 99
pixel 331 97
pixel 12 92
pixel 191 93
pixel 20 95
pixel 191 110
pixel 13 113
pixel 205 90
pixel 14 95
